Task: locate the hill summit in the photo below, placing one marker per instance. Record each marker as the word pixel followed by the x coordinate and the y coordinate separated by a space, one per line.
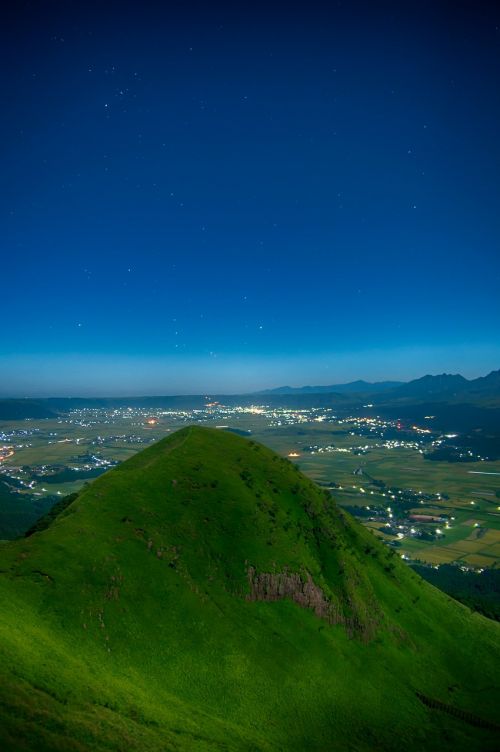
pixel 205 595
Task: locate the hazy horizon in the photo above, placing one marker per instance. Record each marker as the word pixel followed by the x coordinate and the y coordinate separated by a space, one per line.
pixel 124 376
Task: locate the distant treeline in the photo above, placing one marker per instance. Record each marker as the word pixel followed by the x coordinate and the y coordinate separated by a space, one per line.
pixel 457 449
pixel 68 475
pixel 19 511
pixel 478 591
pixel 20 409
pixel 48 518
pixel 447 416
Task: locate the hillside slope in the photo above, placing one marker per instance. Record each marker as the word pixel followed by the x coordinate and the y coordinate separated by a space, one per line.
pixel 205 595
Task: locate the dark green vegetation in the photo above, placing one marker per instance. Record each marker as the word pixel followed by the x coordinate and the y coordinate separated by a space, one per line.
pixel 478 590
pixel 478 428
pixel 67 475
pixel 44 522
pixel 150 615
pixel 19 409
pixel 18 512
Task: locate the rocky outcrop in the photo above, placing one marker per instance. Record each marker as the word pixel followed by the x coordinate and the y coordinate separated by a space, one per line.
pixel 301 589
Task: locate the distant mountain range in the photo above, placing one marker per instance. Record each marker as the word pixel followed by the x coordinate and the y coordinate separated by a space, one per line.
pixel 445 387
pixel 449 386
pixel 350 388
pixel 445 384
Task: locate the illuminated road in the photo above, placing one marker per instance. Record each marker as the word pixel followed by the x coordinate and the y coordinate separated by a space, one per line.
pixel 6 452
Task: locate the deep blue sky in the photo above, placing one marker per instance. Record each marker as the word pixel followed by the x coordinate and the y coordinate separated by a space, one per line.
pixel 221 198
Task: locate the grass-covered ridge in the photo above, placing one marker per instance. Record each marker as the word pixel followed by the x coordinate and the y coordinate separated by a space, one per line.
pixel 130 622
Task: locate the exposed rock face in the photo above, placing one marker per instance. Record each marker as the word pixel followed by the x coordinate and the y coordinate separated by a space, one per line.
pixel 265 586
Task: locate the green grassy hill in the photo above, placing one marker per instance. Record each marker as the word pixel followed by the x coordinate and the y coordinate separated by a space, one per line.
pixel 205 595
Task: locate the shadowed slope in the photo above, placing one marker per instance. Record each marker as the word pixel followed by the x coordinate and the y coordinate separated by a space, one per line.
pixel 206 595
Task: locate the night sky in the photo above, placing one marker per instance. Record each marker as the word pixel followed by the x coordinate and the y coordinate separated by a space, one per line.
pixel 224 197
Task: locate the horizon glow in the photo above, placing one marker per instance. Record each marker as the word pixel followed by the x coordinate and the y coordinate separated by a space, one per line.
pixel 129 376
